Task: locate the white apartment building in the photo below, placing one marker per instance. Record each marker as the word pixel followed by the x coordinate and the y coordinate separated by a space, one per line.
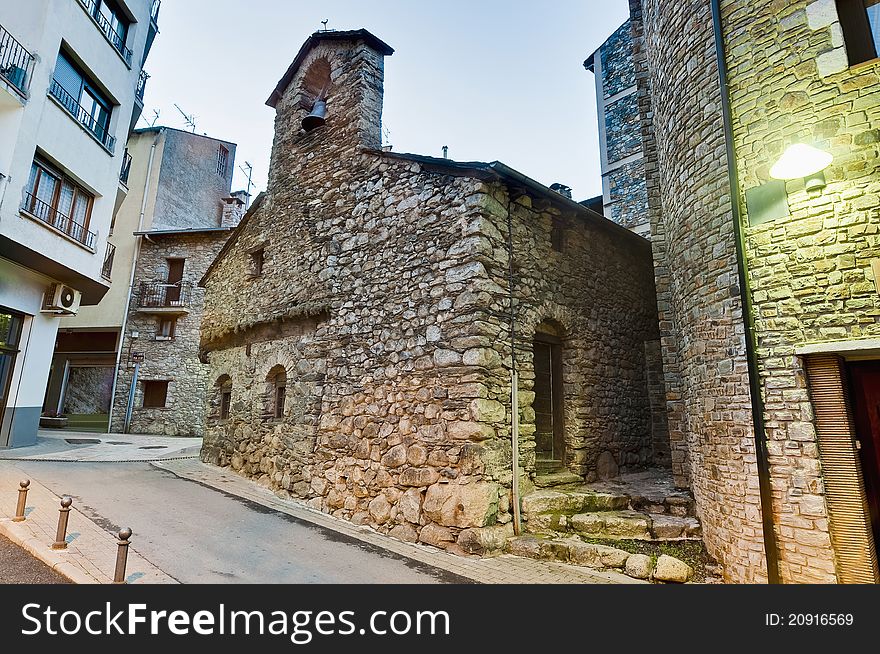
pixel 71 89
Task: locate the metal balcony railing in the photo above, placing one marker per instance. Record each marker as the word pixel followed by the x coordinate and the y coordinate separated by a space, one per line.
pixel 141 87
pixel 116 39
pixel 54 218
pixel 154 11
pixel 126 168
pixel 16 62
pixel 107 268
pixel 73 107
pixel 163 295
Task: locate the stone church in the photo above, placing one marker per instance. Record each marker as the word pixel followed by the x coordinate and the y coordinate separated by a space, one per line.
pixel 391 336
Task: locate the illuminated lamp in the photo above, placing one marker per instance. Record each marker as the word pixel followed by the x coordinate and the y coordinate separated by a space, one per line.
pixel 802 161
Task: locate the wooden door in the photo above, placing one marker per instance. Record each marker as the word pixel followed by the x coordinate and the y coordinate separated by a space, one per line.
pixel 864 378
pixel 548 405
pixel 175 277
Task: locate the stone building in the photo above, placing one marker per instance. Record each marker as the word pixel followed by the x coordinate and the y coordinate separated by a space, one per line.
pixel 174 217
pixel 624 192
pixel 359 323
pixel 767 288
pixel 161 382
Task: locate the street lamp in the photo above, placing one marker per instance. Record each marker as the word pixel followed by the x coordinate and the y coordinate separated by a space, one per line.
pixel 803 161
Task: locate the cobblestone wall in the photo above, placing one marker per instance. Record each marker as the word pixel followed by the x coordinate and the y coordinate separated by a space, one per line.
pixel 384 297
pixel 175 360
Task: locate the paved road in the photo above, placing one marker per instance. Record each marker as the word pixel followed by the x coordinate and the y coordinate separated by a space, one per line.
pixel 199 535
pixel 18 567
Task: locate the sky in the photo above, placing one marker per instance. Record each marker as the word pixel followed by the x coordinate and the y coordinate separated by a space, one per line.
pixel 492 79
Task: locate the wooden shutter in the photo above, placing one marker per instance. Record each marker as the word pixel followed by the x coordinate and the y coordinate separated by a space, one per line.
pixel 841 472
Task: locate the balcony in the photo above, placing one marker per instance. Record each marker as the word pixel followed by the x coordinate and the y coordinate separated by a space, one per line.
pixel 141 87
pixel 82 116
pixel 16 63
pixel 107 267
pixel 164 297
pixel 154 12
pixel 126 168
pixel 113 37
pixel 44 212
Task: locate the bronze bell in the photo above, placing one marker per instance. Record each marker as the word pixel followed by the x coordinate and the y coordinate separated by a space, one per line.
pixel 316 118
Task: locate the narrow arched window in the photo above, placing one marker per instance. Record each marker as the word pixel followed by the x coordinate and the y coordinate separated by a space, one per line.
pixel 224 388
pixel 276 391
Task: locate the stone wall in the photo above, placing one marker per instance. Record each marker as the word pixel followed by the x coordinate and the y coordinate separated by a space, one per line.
pixel 175 360
pixel 384 297
pixel 810 271
pixel 698 287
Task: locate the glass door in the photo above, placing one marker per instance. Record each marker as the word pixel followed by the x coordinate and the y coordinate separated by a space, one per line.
pixel 10 335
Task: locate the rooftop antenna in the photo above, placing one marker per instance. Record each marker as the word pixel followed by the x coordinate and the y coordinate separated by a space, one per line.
pixel 446 152
pixel 249 172
pixel 155 118
pixel 189 119
pixel 324 23
pixel 386 133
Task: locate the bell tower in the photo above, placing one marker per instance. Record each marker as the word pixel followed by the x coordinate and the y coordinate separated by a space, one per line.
pixel 331 95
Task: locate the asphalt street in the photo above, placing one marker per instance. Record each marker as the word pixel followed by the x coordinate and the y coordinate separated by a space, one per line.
pixel 200 535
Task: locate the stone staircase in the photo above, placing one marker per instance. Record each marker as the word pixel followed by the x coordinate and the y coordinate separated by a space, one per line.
pixel 566 520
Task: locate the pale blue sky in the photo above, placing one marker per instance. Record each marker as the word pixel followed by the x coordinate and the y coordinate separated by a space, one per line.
pixel 490 79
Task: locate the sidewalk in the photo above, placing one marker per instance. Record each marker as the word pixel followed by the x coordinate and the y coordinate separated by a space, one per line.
pixel 90 557
pixel 62 445
pixel 502 569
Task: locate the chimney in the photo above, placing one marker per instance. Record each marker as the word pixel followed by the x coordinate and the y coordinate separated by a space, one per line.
pixel 233 209
pixel 562 189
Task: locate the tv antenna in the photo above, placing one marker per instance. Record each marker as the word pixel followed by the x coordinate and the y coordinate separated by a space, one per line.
pixel 189 119
pixel 155 118
pixel 324 23
pixel 249 172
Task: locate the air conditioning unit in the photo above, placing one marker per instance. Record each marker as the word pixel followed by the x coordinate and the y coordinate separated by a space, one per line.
pixel 61 298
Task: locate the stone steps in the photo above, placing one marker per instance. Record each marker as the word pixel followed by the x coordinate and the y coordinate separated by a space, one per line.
pixel 610 514
pixel 666 569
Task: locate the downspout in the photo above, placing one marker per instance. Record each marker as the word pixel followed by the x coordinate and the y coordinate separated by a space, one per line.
pixel 770 546
pixel 514 377
pixel 134 260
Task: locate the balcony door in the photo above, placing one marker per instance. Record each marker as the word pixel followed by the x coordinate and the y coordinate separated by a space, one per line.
pixel 174 281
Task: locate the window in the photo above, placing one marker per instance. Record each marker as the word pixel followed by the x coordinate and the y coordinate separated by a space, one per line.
pixel 557 235
pixel 82 99
pixel 224 385
pixel 155 394
pixel 257 258
pixel 112 22
pixel 860 21
pixel 276 382
pixel 222 160
pixel 58 201
pixel 165 331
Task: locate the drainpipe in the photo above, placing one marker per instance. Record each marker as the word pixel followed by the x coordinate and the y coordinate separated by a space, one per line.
pixel 137 251
pixel 770 546
pixel 514 377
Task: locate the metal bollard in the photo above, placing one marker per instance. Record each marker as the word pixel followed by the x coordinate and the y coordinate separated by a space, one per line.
pixel 63 515
pixel 22 500
pixel 121 556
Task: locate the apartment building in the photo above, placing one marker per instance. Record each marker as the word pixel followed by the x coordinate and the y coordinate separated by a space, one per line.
pixel 71 89
pixel 137 349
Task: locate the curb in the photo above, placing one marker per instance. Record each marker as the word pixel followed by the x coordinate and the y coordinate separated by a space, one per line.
pixel 53 558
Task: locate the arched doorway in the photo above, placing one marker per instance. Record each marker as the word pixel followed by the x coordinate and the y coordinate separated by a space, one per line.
pixel 549 401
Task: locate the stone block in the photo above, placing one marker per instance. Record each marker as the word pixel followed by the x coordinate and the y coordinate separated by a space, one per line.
pixel 436 535
pixel 638 566
pixel 418 477
pixel 670 569
pixel 462 505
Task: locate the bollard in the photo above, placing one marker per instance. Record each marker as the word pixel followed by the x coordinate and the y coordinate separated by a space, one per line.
pixel 63 514
pixel 22 501
pixel 121 556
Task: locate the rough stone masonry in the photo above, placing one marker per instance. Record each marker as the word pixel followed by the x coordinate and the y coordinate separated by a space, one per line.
pixel 358 322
